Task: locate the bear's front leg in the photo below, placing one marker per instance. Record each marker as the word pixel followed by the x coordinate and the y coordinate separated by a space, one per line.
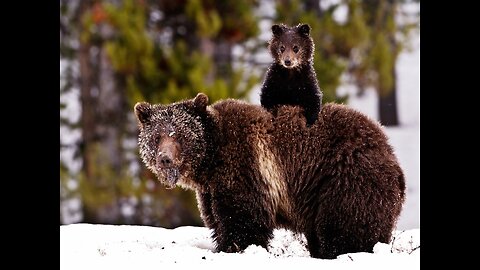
pixel 204 199
pixel 240 221
pixel 312 109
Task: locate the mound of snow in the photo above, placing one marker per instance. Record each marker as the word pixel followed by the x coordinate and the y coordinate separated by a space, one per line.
pixel 87 246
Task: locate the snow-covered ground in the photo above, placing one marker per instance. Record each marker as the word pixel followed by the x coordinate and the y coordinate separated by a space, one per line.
pixel 87 246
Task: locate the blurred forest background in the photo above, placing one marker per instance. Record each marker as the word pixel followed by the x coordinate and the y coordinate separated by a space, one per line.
pixel 118 52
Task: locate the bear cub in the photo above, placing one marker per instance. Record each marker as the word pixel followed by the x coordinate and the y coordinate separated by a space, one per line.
pixel 291 79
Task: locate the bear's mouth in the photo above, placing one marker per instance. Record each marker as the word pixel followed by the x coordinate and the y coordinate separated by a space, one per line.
pixel 169 177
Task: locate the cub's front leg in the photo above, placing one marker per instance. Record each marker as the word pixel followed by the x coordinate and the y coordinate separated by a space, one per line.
pixel 241 220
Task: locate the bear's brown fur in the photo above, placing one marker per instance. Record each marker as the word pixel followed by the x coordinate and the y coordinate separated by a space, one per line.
pixel 338 181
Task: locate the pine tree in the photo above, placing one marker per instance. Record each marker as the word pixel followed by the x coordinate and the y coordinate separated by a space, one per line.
pixel 389 36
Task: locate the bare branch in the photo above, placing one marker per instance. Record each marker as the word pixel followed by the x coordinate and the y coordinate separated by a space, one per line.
pixel 411 251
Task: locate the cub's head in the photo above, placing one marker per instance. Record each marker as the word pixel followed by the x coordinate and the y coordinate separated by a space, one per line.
pixel 291 47
pixel 172 139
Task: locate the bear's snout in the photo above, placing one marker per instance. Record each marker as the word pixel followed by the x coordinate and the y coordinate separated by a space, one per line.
pixel 168 153
pixel 290 60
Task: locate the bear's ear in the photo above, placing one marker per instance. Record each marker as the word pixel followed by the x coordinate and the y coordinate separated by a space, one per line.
pixel 143 111
pixel 200 102
pixel 277 30
pixel 304 29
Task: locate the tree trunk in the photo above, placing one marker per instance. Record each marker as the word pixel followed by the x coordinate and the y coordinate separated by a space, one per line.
pixel 223 59
pixel 207 47
pixel 387 103
pixel 315 6
pixel 88 110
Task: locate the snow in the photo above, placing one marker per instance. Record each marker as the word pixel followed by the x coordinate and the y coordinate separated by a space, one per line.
pixel 88 246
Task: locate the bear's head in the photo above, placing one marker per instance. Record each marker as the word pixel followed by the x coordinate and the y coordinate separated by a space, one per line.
pixel 172 138
pixel 291 47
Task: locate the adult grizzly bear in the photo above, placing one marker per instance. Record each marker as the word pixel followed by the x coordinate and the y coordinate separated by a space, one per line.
pixel 338 181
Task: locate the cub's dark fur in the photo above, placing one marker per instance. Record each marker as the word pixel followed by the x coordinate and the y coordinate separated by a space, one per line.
pixel 337 181
pixel 291 78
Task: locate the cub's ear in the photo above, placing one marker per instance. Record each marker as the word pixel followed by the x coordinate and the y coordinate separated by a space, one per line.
pixel 277 29
pixel 200 102
pixel 304 29
pixel 143 111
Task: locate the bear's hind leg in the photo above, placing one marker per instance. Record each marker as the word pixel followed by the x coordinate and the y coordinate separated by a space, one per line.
pixel 331 240
pixel 324 244
pixel 313 245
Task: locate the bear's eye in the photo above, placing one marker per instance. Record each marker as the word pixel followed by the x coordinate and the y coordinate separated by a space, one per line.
pixel 295 49
pixel 282 49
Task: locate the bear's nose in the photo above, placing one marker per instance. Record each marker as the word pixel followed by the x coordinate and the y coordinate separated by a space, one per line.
pixel 288 63
pixel 168 153
pixel 165 161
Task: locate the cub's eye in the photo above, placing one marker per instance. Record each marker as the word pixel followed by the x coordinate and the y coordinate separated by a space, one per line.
pixel 295 49
pixel 282 49
pixel 157 140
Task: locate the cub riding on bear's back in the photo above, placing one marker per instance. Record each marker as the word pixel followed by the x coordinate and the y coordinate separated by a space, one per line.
pixel 291 79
